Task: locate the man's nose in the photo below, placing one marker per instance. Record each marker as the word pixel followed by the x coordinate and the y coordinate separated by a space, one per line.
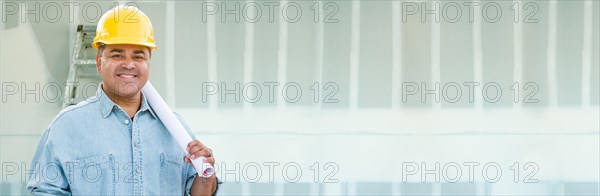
pixel 128 63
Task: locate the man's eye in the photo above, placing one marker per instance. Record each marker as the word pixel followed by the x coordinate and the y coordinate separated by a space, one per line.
pixel 116 56
pixel 139 57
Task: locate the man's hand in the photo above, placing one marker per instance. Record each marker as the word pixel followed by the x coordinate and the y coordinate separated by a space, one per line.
pixel 197 149
pixel 201 186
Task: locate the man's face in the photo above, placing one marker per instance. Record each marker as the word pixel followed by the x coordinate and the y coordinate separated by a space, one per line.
pixel 124 68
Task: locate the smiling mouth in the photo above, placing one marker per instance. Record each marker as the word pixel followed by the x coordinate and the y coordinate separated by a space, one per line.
pixel 126 75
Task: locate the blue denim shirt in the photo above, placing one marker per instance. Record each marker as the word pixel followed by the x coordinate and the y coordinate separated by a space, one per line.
pixel 94 148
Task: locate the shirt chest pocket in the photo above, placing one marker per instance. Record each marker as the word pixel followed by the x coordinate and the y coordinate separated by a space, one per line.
pixel 92 175
pixel 171 174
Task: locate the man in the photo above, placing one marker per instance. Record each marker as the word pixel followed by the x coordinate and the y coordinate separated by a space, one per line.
pixel 113 143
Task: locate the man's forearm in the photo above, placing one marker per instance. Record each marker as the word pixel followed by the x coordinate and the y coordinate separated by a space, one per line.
pixel 204 186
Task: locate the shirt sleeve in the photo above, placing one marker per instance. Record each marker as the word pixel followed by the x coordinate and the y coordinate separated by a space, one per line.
pixel 189 181
pixel 190 171
pixel 48 176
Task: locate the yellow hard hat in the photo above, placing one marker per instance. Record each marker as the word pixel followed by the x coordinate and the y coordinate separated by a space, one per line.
pixel 124 25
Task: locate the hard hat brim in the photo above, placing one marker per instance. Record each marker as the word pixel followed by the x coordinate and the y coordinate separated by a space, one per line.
pixel 152 46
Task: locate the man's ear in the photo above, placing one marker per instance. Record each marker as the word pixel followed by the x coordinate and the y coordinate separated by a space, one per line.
pixel 99 64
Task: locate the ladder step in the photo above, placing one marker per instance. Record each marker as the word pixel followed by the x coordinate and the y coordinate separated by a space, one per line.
pixel 86 28
pixel 84 62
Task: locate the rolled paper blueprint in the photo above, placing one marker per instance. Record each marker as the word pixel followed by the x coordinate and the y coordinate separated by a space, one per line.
pixel 175 127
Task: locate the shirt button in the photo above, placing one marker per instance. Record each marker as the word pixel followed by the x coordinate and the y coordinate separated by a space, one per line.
pixel 126 122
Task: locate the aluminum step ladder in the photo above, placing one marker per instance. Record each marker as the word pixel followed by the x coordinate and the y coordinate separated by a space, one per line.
pixel 83 78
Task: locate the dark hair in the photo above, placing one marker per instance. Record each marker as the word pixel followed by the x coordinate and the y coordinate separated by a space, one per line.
pixel 101 49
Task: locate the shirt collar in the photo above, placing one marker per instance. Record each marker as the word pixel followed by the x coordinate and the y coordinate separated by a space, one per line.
pixel 107 105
